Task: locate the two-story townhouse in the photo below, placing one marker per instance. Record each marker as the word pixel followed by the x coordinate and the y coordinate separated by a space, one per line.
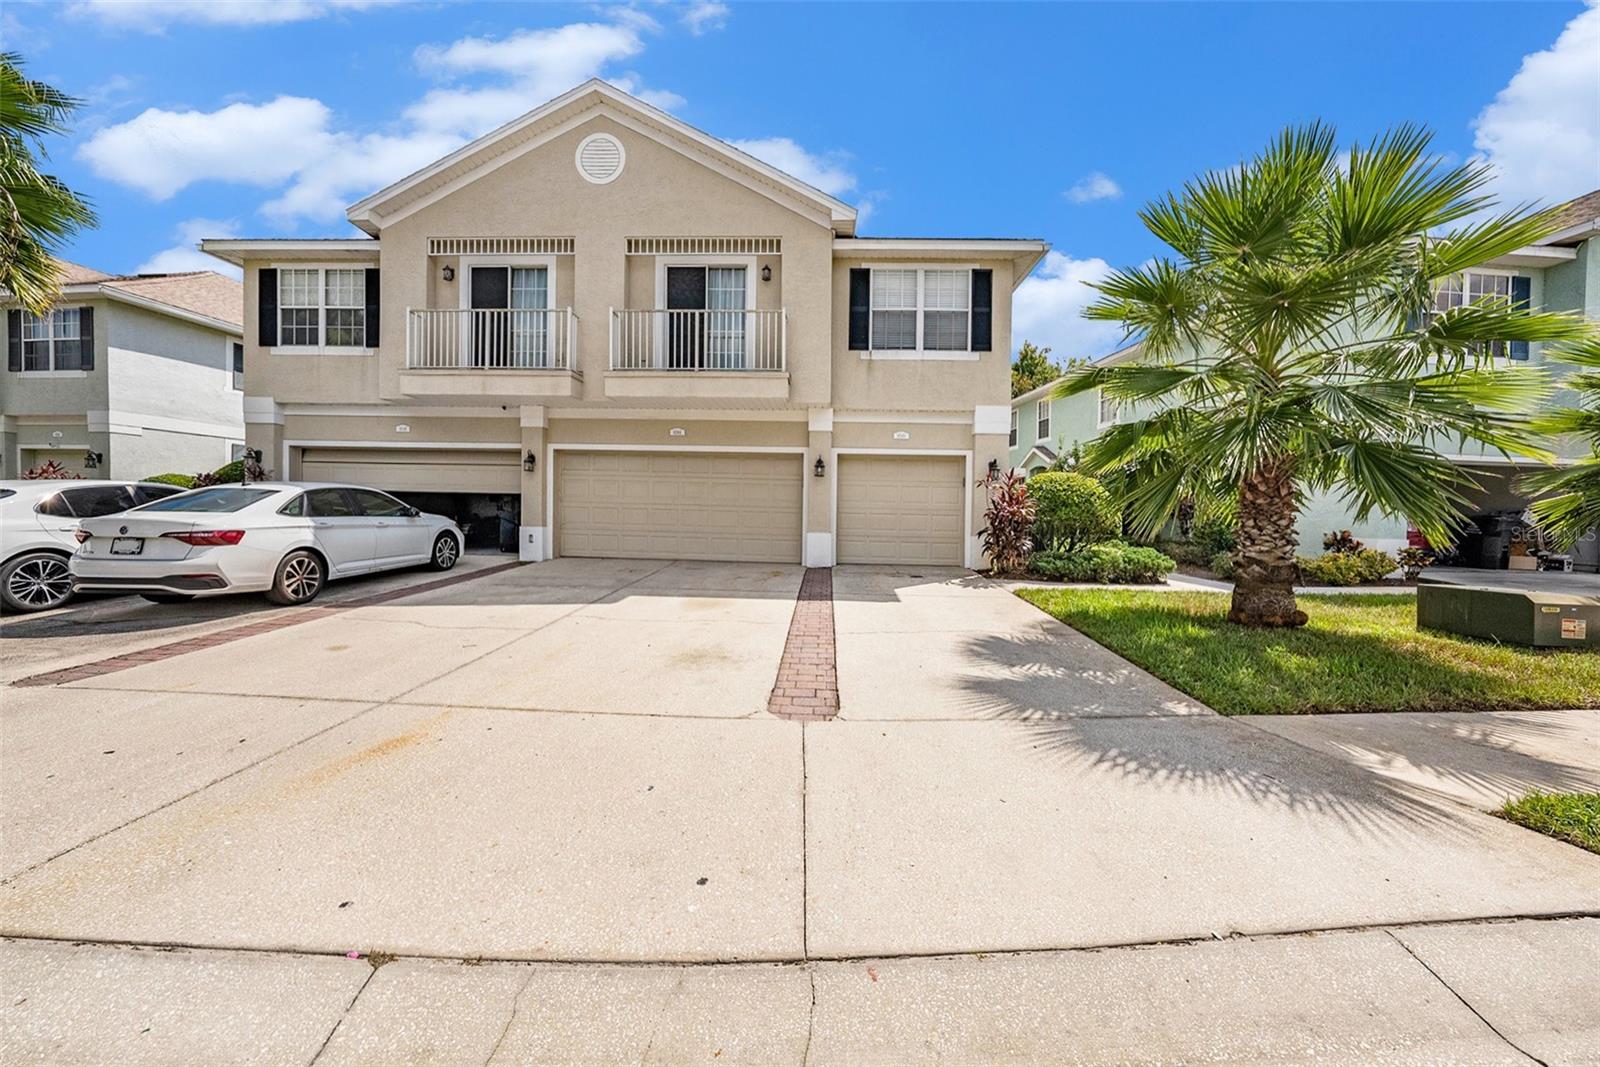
pixel 642 342
pixel 127 376
pixel 1560 273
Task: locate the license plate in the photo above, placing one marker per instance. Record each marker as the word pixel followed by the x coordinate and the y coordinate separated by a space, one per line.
pixel 127 546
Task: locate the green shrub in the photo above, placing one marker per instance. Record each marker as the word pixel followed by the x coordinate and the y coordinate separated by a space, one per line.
pixel 182 481
pixel 229 472
pixel 1221 565
pixel 1184 552
pixel 1109 561
pixel 1346 568
pixel 1070 510
pixel 1211 534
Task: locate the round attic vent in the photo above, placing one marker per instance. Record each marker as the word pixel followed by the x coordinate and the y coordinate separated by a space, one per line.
pixel 600 158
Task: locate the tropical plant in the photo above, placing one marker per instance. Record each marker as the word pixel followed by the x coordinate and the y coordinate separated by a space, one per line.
pixel 1008 523
pixel 1341 541
pixel 1573 504
pixel 1032 368
pixel 1412 560
pixel 1291 344
pixel 1070 510
pixel 1347 568
pixel 38 213
pixel 1110 561
pixel 49 469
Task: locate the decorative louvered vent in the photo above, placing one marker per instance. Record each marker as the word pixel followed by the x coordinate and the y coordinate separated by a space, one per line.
pixel 493 246
pixel 705 246
pixel 600 158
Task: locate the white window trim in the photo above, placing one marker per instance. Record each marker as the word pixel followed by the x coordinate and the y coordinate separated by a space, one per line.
pixel 1465 277
pixel 1101 422
pixel 235 381
pixel 322 309
pixel 52 371
pixel 1016 428
pixel 508 261
pixel 1043 408
pixel 953 355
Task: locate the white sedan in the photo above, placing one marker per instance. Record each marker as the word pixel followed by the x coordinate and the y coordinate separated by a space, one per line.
pixel 285 539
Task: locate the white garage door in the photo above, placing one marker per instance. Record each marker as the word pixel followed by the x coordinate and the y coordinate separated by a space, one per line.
pixel 902 509
pixel 445 470
pixel 671 505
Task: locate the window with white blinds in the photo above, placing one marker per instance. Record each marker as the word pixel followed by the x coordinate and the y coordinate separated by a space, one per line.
pixel 925 309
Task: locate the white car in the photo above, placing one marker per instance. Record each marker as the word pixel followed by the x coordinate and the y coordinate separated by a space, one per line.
pixel 38 519
pixel 285 539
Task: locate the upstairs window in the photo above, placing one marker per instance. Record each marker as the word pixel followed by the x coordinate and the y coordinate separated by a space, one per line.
pixel 322 308
pixel 1044 420
pixel 1014 421
pixel 1459 290
pixel 53 341
pixel 236 352
pixel 1110 410
pixel 921 310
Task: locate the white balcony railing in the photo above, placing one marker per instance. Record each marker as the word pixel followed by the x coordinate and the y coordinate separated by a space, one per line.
pixel 704 340
pixel 490 338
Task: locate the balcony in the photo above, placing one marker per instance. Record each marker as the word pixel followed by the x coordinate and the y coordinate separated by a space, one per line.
pixel 706 354
pixel 492 353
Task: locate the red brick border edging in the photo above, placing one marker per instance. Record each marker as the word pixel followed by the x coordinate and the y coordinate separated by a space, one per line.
pixel 807 688
pixel 112 664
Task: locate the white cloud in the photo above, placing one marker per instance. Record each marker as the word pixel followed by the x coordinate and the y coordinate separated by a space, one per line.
pixel 1047 308
pixel 294 144
pixel 705 15
pixel 828 171
pixel 1542 132
pixel 152 16
pixel 184 256
pixel 1094 186
pixel 160 152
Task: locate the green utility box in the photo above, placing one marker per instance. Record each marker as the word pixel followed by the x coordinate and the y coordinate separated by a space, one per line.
pixel 1539 618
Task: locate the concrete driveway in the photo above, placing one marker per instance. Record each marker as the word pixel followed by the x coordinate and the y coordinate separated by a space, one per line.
pixel 573 762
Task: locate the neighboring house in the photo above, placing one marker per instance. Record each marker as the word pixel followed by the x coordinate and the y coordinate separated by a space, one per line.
pixel 640 342
pixel 128 376
pixel 1560 273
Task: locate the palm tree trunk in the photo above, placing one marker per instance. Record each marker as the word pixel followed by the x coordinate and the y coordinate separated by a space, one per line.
pixel 1264 567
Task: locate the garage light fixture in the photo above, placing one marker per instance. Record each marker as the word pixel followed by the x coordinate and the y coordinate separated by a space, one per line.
pixel 994 468
pixel 766 274
pixel 449 274
pixel 92 460
pixel 529 461
pixel 821 468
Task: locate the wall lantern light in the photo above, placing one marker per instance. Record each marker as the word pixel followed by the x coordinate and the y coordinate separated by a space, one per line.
pixel 821 468
pixel 766 274
pixel 994 468
pixel 529 461
pixel 92 460
pixel 249 457
pixel 449 274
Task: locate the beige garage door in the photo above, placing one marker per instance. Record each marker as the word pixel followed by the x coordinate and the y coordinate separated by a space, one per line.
pixel 902 509
pixel 670 505
pixel 445 470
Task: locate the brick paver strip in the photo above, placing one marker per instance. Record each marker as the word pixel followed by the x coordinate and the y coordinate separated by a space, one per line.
pixel 807 688
pixel 157 653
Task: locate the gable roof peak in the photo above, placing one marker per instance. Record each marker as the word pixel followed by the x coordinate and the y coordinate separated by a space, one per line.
pixel 372 212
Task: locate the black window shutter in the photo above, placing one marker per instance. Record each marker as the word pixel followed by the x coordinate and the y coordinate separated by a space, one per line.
pixel 267 302
pixel 372 307
pixel 14 339
pixel 982 310
pixel 86 338
pixel 860 309
pixel 1521 297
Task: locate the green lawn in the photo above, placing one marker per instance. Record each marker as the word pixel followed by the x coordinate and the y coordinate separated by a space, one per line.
pixel 1360 652
pixel 1573 817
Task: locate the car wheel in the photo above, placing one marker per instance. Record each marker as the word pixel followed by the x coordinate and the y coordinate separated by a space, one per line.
pixel 445 553
pixel 35 581
pixel 168 598
pixel 299 579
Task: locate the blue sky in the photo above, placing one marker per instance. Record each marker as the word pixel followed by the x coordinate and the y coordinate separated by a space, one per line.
pixel 1047 120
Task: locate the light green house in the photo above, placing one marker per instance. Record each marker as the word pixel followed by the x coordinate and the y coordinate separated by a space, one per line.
pixel 1561 273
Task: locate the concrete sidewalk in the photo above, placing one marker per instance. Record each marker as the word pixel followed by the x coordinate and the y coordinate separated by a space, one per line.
pixel 1480 993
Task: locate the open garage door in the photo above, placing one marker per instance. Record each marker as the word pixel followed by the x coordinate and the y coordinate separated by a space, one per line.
pixel 670 505
pixel 445 470
pixel 902 509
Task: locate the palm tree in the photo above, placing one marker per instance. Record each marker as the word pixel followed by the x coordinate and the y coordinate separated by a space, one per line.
pixel 1291 344
pixel 1573 506
pixel 37 211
